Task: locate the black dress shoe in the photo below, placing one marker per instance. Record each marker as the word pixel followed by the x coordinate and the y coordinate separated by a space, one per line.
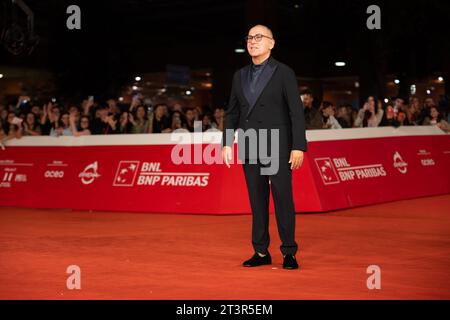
pixel 289 262
pixel 257 260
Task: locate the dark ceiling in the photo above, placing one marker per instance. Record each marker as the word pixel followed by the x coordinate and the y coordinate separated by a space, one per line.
pixel 121 38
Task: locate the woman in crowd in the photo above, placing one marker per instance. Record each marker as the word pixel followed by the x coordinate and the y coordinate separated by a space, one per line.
pixel 206 121
pixel 190 118
pixel 30 126
pixel 8 122
pixel 2 135
pixel 178 122
pixel 370 114
pixel 139 121
pixel 160 123
pixel 436 119
pixel 389 118
pixel 402 118
pixel 61 127
pixel 124 122
pixel 218 121
pixel 12 129
pixel 84 125
pixel 50 115
pixel 413 110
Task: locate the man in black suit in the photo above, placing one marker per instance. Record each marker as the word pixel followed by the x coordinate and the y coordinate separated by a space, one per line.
pixel 265 99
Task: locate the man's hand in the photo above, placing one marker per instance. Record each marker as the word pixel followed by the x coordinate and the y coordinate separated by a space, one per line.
pixel 296 159
pixel 227 154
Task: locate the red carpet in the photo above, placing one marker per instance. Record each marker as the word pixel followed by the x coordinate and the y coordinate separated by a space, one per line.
pixel 153 256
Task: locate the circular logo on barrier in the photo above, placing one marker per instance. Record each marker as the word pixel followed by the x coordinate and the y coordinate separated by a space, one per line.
pixel 89 173
pixel 399 164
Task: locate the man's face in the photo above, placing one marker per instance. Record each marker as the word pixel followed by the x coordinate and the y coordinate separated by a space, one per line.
pixel 399 102
pixel 263 46
pixel 342 111
pixel 36 110
pixel 307 100
pixel 160 111
pixel 177 107
pixel 111 104
pixel 102 113
pixel 429 102
pixel 74 110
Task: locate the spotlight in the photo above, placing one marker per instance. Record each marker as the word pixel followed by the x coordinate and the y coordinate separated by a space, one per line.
pixel 137 78
pixel 188 92
pixel 134 88
pixel 339 64
pixel 440 79
pixel 1 75
pixel 386 100
pixel 396 81
pixel 120 98
pixel 239 50
pixel 428 91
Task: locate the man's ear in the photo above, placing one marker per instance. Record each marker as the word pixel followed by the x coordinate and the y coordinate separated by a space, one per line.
pixel 273 44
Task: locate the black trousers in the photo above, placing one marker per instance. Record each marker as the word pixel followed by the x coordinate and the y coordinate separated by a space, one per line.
pixel 259 191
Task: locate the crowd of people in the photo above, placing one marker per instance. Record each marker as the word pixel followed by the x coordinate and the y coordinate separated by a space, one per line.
pixel 89 117
pixel 375 113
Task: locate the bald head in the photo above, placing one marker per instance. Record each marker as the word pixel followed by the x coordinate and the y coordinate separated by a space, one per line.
pixel 261 27
pixel 261 43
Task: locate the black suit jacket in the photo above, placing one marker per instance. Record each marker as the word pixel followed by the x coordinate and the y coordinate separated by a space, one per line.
pixel 276 104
